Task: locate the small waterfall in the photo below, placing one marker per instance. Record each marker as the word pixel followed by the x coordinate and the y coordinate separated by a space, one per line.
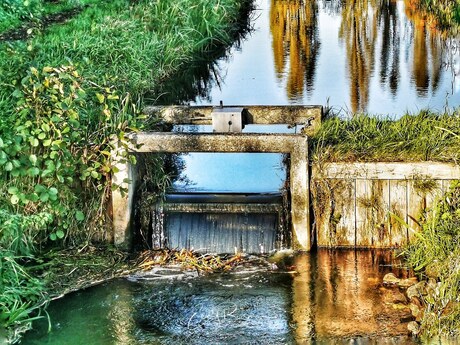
pixel 219 223
pixel 222 232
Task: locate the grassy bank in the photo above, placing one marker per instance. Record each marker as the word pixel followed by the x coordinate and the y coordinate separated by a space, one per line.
pixel 445 13
pixel 67 93
pixel 420 137
pixel 435 256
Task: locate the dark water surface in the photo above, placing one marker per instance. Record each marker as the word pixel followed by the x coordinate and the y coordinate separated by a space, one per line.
pixel 328 297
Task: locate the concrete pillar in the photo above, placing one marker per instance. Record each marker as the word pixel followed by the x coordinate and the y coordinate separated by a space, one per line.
pixel 300 195
pixel 122 200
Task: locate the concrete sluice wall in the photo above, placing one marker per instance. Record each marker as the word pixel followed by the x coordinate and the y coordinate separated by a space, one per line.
pixel 220 222
pixel 375 205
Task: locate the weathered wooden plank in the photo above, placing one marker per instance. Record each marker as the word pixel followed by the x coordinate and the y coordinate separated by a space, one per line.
pixel 382 229
pixel 388 170
pixel 371 227
pixel 398 212
pixel 334 207
pixel 420 194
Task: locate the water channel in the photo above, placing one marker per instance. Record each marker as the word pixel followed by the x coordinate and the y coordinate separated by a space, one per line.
pixel 376 56
pixel 334 297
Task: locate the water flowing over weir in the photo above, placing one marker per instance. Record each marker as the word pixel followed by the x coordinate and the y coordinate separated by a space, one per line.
pixel 220 223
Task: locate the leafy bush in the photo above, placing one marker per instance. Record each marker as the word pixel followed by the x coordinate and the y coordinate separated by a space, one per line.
pixel 58 151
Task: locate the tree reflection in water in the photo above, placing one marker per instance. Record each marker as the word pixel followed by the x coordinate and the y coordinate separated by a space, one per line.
pixel 294 27
pixel 376 35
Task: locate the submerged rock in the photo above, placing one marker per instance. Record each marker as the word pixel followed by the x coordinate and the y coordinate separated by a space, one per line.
pixel 405 283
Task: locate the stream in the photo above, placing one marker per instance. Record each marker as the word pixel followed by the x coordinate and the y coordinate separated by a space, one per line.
pixel 326 297
pixel 376 56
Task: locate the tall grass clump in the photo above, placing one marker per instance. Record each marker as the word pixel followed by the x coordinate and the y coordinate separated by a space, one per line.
pixel 446 12
pixel 435 254
pixel 425 136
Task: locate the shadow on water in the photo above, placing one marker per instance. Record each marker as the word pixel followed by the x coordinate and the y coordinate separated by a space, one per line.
pixel 327 297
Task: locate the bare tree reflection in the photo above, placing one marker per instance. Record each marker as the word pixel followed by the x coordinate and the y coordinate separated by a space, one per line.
pixel 359 32
pixel 427 53
pixel 294 28
pixel 389 56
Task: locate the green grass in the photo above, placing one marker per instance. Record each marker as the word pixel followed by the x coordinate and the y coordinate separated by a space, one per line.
pixel 64 91
pixel 15 13
pixel 435 254
pixel 447 12
pixel 425 136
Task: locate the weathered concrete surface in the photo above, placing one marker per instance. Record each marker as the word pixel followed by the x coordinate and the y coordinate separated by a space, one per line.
pixel 389 170
pixel 309 116
pixel 222 208
pixel 295 145
pixel 375 205
pixel 213 142
pixel 123 200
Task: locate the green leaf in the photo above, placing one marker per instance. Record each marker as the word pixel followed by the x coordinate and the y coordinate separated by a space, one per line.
pixel 33 159
pixel 33 171
pixel 33 141
pixel 13 190
pixel 100 97
pixel 79 215
pixel 42 136
pixel 47 142
pixel 60 234
pixel 14 199
pixel 44 197
pixel 53 236
pixel 1 142
pixel 8 166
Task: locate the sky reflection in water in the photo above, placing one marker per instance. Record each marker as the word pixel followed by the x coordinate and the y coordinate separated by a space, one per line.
pixel 378 56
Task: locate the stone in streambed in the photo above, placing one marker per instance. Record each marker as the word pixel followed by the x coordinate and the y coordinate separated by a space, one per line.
pixel 390 279
pixel 416 290
pixel 405 283
pixel 413 327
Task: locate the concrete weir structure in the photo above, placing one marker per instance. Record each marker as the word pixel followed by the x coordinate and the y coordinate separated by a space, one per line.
pixel 296 145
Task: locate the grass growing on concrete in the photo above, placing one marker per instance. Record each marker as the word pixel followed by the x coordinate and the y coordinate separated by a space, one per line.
pixel 425 136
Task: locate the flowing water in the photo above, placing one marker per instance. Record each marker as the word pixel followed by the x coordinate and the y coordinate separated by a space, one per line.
pixel 328 297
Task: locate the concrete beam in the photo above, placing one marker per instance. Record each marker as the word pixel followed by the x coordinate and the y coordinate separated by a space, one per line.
pixel 295 145
pixel 310 116
pixel 213 142
pixel 387 170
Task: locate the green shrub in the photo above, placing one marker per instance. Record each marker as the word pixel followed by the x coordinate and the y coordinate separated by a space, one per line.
pixel 58 150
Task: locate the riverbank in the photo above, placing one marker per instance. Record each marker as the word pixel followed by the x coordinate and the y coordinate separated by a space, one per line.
pixel 441 13
pixel 66 90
